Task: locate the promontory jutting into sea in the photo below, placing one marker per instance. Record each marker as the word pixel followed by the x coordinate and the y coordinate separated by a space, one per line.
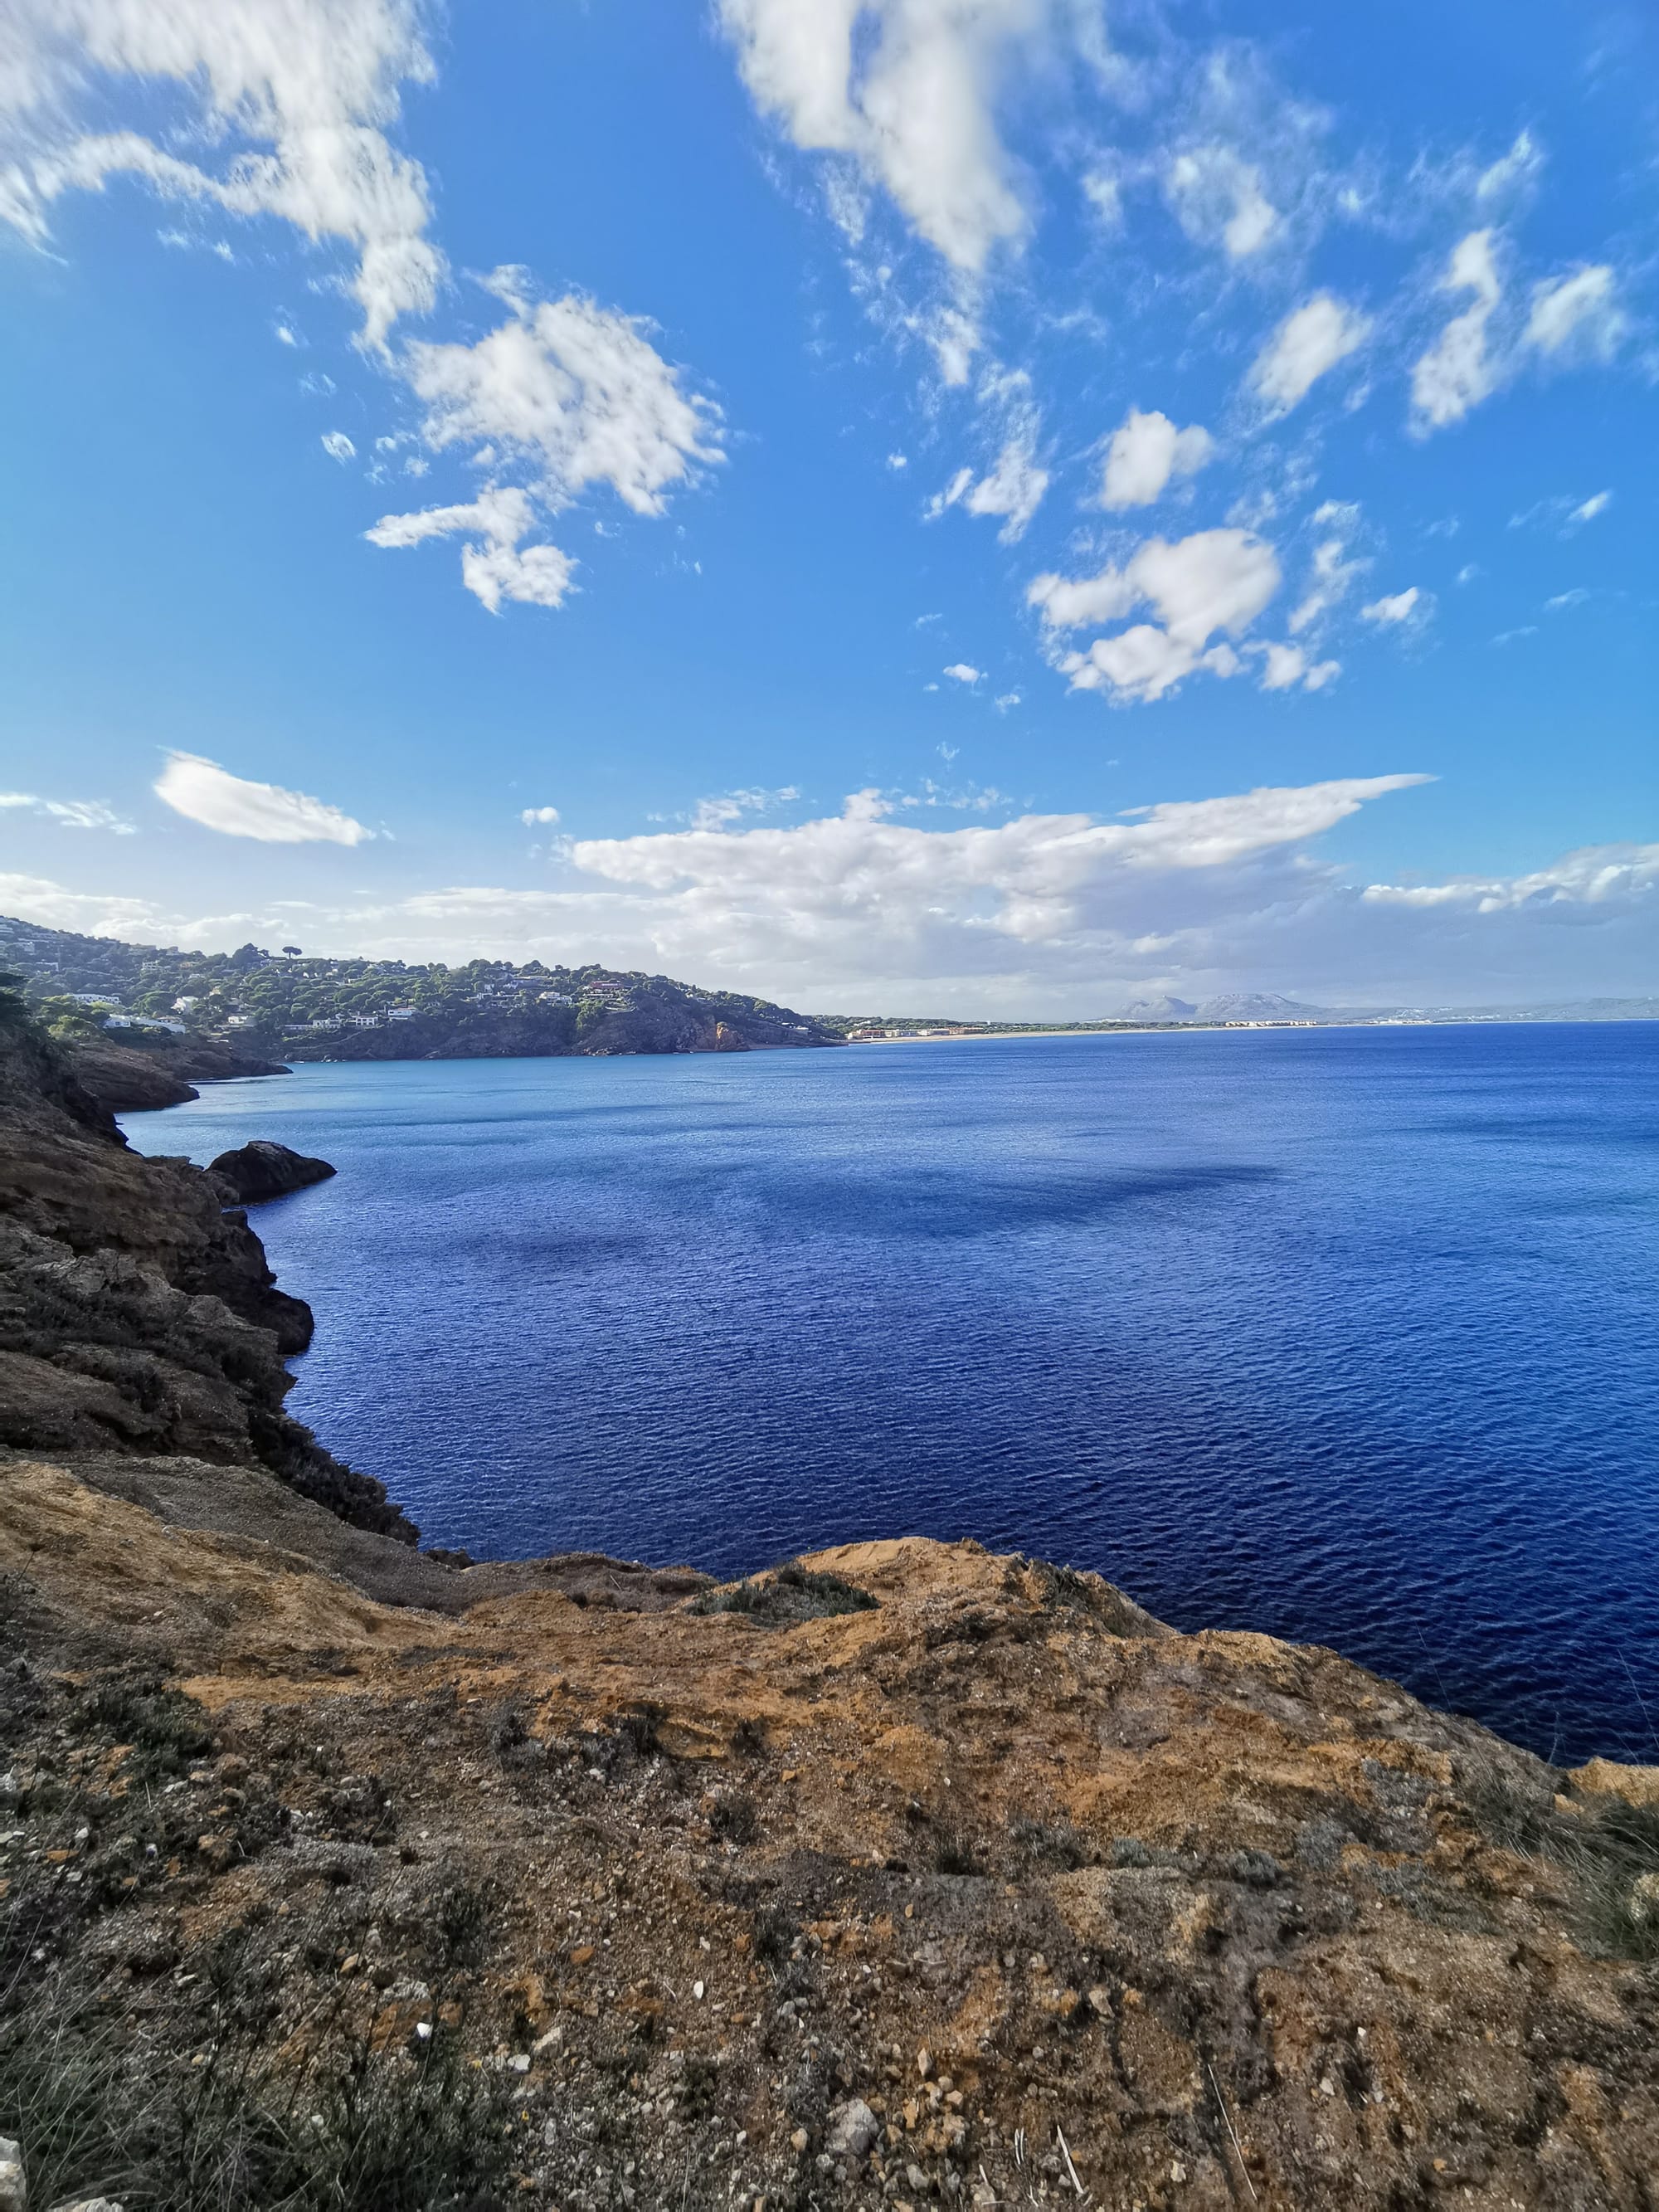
pixel 829 1107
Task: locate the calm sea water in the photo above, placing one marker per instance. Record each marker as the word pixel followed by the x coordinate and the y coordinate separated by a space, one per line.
pixel 1346 1336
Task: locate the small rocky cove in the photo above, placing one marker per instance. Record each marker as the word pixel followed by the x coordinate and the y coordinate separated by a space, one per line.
pixel 334 1872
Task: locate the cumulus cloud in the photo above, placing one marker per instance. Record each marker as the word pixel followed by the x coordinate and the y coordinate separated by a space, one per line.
pixel 1412 604
pixel 69 813
pixel 1049 910
pixel 1214 580
pixel 1288 668
pixel 288 110
pixel 1145 453
pixel 1307 344
pixel 906 92
pixel 296 101
pixel 882 887
pixel 963 671
pixel 494 566
pixel 1459 370
pixel 202 792
pixel 576 391
pixel 1594 877
pixel 1219 198
pixel 539 817
pixel 1576 318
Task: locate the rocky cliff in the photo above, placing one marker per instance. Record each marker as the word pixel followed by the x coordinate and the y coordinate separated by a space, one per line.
pixel 336 1874
pixel 135 1314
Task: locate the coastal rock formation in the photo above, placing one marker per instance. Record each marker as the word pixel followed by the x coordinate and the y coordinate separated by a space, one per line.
pixel 128 1079
pixel 260 1170
pixel 127 1082
pixel 955 1878
pixel 136 1315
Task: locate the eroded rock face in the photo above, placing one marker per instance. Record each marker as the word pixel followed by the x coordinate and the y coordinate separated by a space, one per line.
pixel 127 1082
pixel 128 1079
pixel 135 1314
pixel 261 1170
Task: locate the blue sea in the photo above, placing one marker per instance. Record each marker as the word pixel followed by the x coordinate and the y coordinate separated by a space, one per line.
pixel 1348 1335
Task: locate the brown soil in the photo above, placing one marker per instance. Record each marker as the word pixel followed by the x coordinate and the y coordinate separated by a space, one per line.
pixel 1202 1921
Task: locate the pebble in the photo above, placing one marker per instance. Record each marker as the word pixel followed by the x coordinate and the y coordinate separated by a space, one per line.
pixel 852 2129
pixel 13 2189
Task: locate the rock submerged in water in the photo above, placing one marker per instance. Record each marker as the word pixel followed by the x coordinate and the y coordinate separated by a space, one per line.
pixel 263 1169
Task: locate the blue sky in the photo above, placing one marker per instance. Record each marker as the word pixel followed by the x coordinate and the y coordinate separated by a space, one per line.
pixel 989 504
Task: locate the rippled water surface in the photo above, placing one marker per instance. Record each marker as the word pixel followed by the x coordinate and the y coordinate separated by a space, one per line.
pixel 1348 1335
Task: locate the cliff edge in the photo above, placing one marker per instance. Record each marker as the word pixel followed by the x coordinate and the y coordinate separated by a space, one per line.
pixel 135 1314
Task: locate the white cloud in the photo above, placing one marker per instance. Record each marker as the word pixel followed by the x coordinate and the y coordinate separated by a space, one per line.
pixel 898 461
pixel 1594 876
pixel 1577 317
pixel 1219 198
pixel 1332 571
pixel 575 390
pixel 1005 700
pixel 728 807
pixel 1309 342
pixel 1061 912
pixel 907 91
pixel 1146 451
pixel 1458 371
pixel 1400 607
pixel 202 792
pixel 288 105
pixel 298 99
pixel 1013 487
pixel 1287 668
pixel 494 566
pixel 1587 510
pixel 1216 580
pixel 963 671
pixel 545 816
pixel 862 888
pixel 69 813
pixel 1511 171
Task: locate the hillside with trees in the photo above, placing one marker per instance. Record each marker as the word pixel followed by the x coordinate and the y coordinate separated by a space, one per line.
pixel 298 1006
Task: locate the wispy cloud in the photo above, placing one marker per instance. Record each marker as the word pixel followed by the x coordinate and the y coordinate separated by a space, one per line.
pixel 205 793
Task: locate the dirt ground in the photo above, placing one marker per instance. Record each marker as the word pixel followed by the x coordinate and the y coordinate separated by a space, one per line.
pixel 909 1874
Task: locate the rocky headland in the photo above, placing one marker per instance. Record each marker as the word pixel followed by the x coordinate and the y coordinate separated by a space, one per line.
pixel 335 1873
pixel 125 1079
